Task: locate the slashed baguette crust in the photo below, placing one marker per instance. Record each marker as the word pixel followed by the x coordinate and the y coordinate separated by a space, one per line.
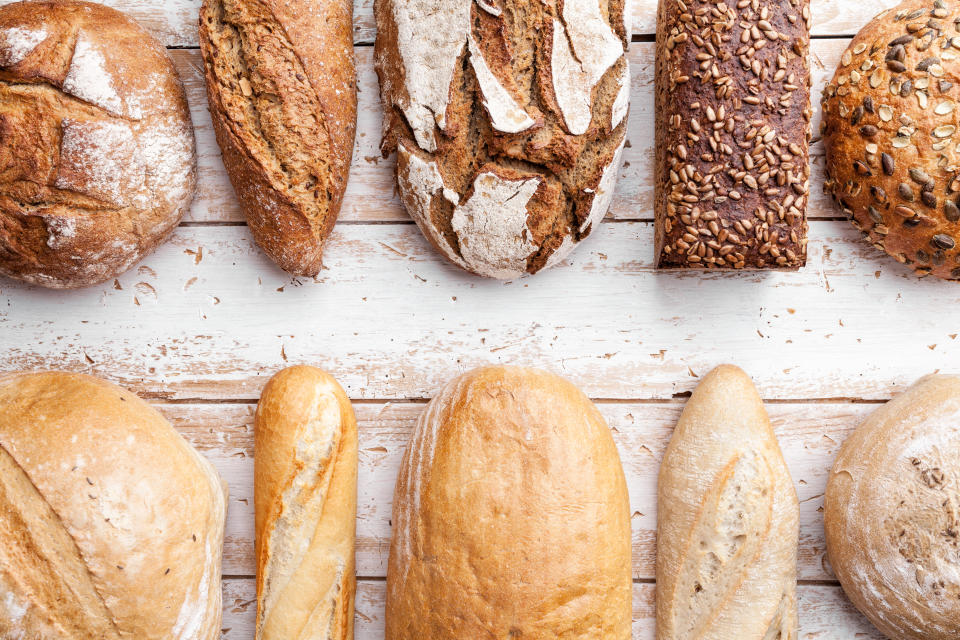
pixel 511 517
pixel 282 90
pixel 892 513
pixel 111 524
pixel 305 494
pixel 727 520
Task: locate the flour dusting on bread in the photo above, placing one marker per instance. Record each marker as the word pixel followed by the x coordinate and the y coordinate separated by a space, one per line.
pixel 16 43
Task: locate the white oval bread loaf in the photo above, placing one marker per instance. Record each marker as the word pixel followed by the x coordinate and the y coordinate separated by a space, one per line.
pixel 305 495
pixel 111 524
pixel 510 516
pixel 727 520
pixel 892 513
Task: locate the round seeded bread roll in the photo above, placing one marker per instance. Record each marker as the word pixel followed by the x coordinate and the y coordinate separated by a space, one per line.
pixel 890 127
pixel 892 513
pixel 97 159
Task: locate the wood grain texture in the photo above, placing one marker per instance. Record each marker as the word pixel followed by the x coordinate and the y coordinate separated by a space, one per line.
pixel 371 192
pixel 207 316
pixel 824 612
pixel 174 22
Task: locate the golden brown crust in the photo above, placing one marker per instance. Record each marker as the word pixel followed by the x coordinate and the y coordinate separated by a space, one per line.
pixel 732 131
pixel 510 517
pixel 97 164
pixel 305 494
pixel 112 523
pixel 282 89
pixel 890 513
pixel 890 132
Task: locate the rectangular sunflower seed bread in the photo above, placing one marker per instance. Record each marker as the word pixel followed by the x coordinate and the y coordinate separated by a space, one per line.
pixel 732 133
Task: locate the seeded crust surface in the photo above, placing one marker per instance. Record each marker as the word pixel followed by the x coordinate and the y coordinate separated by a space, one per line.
pixel 97 156
pixel 281 84
pixel 733 127
pixel 889 126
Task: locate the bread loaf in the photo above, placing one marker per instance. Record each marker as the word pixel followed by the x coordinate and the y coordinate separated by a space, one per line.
pixel 305 494
pixel 891 513
pixel 111 525
pixel 890 132
pixel 727 520
pixel 510 516
pixel 282 91
pixel 508 118
pixel 732 131
pixel 97 161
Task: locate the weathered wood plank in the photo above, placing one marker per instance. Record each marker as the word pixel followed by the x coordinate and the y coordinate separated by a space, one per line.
pixel 207 316
pixel 825 614
pixel 809 435
pixel 371 193
pixel 174 22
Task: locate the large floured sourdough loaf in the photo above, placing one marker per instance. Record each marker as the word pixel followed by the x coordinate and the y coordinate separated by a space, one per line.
pixel 727 520
pixel 890 130
pixel 111 524
pixel 508 118
pixel 732 130
pixel 510 516
pixel 282 90
pixel 97 161
pixel 305 493
pixel 892 513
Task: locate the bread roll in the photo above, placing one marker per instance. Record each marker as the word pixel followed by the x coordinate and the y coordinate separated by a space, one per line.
pixel 97 161
pixel 891 513
pixel 890 133
pixel 727 520
pixel 305 495
pixel 282 90
pixel 508 118
pixel 510 516
pixel 732 130
pixel 111 525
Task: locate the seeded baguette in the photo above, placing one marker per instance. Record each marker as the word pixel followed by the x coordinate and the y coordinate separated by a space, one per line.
pixel 732 130
pixel 727 520
pixel 282 90
pixel 890 130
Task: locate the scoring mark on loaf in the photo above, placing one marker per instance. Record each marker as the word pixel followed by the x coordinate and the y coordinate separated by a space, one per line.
pixel 505 113
pixel 88 79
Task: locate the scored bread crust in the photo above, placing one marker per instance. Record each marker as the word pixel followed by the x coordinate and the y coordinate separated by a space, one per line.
pixel 727 520
pixel 98 155
pixel 508 119
pixel 305 495
pixel 111 524
pixel 891 513
pixel 281 83
pixel 510 517
pixel 890 131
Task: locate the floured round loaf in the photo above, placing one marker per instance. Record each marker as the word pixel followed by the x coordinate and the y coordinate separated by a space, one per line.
pixel 111 524
pixel 508 118
pixel 97 160
pixel 510 516
pixel 892 513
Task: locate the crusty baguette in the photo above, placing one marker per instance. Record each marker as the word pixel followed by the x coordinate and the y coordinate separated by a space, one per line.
pixel 111 524
pixel 510 517
pixel 282 90
pixel 727 521
pixel 305 496
pixel 891 513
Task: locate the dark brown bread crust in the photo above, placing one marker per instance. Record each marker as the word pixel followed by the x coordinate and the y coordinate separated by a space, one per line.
pixel 732 130
pixel 282 89
pixel 890 131
pixel 97 159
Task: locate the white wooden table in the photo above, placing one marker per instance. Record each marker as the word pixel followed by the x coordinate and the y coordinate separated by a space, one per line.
pixel 200 325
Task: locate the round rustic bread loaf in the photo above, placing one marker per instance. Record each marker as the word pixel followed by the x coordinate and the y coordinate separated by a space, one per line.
pixel 509 122
pixel 97 159
pixel 892 513
pixel 890 127
pixel 111 524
